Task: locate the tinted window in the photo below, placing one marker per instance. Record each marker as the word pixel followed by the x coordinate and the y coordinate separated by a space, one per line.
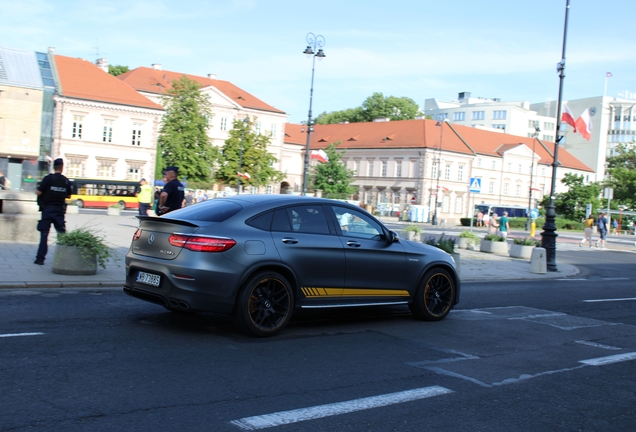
pixel 216 210
pixel 263 221
pixel 281 221
pixel 357 224
pixel 308 219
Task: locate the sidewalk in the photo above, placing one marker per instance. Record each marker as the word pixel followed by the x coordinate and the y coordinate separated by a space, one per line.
pixel 18 271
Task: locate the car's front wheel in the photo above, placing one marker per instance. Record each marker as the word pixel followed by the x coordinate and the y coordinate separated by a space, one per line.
pixel 435 296
pixel 265 304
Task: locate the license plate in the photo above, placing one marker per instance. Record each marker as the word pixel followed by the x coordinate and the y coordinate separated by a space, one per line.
pixel 148 279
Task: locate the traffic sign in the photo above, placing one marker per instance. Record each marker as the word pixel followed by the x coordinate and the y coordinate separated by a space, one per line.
pixel 475 185
pixel 534 213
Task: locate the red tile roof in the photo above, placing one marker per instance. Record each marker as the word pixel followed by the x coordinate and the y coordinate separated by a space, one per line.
pixel 83 80
pixel 426 134
pixel 158 81
pixel 295 133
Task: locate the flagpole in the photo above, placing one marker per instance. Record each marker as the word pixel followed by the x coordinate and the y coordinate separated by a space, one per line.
pixel 549 235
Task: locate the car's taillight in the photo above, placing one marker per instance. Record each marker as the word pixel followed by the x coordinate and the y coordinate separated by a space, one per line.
pixel 201 244
pixel 137 234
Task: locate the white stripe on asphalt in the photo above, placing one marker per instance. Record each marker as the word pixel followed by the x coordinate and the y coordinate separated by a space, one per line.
pixel 320 411
pixel 600 361
pixel 20 334
pixel 609 300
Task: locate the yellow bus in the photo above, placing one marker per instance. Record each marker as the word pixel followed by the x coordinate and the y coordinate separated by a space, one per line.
pixel 103 193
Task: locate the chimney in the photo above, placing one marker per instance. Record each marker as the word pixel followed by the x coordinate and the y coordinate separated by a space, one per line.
pixel 51 50
pixel 102 63
pixel 156 66
pixel 464 95
pixel 212 76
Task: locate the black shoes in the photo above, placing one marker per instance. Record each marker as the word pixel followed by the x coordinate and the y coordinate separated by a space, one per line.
pixel 38 262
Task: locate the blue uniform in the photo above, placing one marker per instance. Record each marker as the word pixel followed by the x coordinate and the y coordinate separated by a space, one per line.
pixel 55 189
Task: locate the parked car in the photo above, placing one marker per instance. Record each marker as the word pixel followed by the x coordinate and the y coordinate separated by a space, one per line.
pixel 260 257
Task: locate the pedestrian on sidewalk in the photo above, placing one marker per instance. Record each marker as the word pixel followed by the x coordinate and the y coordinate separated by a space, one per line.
pixel 52 193
pixel 589 227
pixel 486 221
pixel 614 227
pixel 504 225
pixel 494 224
pixel 171 197
pixel 601 225
pixel 144 197
pixel 480 219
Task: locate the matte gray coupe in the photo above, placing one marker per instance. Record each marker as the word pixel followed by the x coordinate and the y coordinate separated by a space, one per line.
pixel 260 257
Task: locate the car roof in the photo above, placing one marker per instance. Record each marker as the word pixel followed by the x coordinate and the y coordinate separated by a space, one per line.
pixel 259 199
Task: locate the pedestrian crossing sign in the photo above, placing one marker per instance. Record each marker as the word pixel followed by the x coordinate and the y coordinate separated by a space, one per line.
pixel 475 185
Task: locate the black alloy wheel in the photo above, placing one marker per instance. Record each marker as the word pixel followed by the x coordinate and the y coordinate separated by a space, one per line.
pixel 265 304
pixel 435 297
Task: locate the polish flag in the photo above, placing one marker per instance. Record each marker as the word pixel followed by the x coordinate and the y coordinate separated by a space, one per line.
pixel 320 155
pixel 536 189
pixel 608 75
pixel 245 175
pixel 567 116
pixel 584 125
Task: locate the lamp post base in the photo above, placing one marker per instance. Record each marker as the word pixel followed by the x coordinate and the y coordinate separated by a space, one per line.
pixel 548 239
pixel 434 220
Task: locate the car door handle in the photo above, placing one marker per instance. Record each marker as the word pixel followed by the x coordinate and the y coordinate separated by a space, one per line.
pixel 289 240
pixel 352 243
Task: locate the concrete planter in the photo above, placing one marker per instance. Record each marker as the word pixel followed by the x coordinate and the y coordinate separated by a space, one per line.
pixel 113 211
pixel 495 247
pixel 521 251
pixel 68 260
pixel 462 243
pixel 413 236
pixel 72 209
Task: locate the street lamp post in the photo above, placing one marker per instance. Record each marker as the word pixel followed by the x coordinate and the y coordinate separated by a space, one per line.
pixel 534 142
pixel 439 167
pixel 240 164
pixel 314 43
pixel 549 235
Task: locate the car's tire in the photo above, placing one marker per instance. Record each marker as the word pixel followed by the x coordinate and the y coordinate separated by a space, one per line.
pixel 435 296
pixel 122 204
pixel 265 304
pixel 79 203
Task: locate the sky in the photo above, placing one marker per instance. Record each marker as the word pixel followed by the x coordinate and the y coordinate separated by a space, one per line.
pixel 419 49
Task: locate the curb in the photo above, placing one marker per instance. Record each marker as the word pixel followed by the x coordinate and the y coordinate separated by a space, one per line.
pixel 34 285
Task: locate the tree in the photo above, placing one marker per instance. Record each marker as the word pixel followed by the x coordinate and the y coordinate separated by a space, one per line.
pixel 183 139
pixel 256 161
pixel 332 177
pixel 374 107
pixel 117 70
pixel 621 170
pixel 571 204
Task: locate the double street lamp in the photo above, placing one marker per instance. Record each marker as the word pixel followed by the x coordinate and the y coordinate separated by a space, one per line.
pixel 534 141
pixel 314 49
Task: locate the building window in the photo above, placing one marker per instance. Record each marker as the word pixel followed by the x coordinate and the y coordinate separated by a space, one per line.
pixel 398 168
pixel 459 203
pixel 77 127
pixel 499 115
pixel 520 168
pixel 479 162
pixel 223 125
pixel 434 171
pixel 136 134
pixel 479 115
pixel 509 167
pixel 447 172
pixel 459 116
pixel 506 188
pixel 491 187
pixel 494 165
pixel 442 116
pixel 445 203
pixel 370 170
pixel 105 169
pixel 543 171
pixel 273 131
pixel 548 126
pixel 460 173
pixel 257 128
pixel 383 172
pixel 73 169
pixel 108 131
pixel 518 190
pixel 534 124
pixel 133 173
pixel 356 167
pixel 499 126
pixel 269 190
pixel 548 138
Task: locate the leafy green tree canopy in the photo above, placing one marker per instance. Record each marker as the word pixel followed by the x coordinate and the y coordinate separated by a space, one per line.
pixel 183 139
pixel 374 107
pixel 250 148
pixel 571 204
pixel 332 177
pixel 621 170
pixel 117 69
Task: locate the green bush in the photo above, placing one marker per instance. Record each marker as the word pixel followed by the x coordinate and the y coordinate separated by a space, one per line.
pixel 470 236
pixel 526 241
pixel 447 244
pixel 414 228
pixel 88 242
pixel 494 237
pixel 466 221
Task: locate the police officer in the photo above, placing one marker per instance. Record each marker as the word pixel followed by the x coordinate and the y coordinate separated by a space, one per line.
pixel 171 197
pixel 52 194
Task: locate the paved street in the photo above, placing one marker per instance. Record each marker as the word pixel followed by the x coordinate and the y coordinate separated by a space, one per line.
pixel 522 355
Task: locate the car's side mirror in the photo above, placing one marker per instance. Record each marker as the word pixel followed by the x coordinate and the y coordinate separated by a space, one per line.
pixel 393 237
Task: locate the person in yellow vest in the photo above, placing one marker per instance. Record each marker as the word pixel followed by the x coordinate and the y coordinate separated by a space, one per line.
pixel 144 197
pixel 589 226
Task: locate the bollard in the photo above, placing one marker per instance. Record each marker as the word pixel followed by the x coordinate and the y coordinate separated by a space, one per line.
pixel 538 261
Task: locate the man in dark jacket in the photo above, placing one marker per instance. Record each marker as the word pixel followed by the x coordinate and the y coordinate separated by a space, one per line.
pixel 52 194
pixel 171 197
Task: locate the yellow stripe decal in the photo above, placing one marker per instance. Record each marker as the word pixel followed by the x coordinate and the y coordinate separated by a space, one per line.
pixel 313 292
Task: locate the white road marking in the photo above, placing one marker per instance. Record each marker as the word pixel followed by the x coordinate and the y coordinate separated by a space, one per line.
pixel 20 334
pixel 320 411
pixel 609 300
pixel 597 345
pixel 617 278
pixel 601 361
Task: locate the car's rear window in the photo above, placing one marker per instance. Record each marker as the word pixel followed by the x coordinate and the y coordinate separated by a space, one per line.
pixel 216 210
